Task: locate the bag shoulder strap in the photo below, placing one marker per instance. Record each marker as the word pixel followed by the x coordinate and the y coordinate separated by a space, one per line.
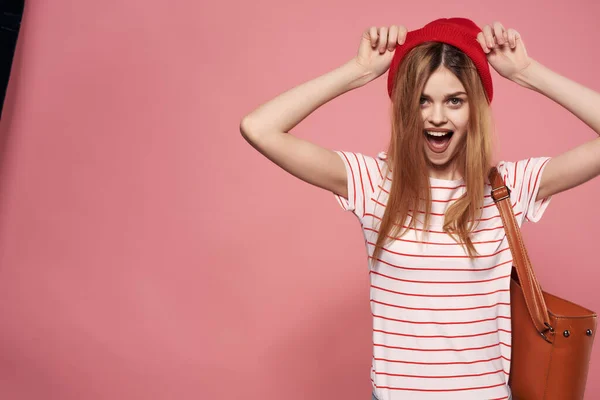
pixel 532 291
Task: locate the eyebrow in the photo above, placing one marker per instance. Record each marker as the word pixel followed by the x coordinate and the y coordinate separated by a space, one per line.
pixel 447 96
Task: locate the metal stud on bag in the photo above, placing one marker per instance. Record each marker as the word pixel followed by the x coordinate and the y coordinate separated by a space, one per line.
pixel 589 332
pixel 566 333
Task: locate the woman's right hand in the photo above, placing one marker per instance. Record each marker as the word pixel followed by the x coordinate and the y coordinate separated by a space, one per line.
pixel 377 47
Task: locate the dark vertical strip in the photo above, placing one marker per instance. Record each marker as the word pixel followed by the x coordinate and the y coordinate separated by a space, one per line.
pixel 11 13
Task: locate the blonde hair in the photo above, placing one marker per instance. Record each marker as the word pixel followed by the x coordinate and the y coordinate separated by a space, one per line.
pixel 410 186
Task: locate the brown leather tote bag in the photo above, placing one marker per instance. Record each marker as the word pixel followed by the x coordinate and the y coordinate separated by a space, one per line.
pixel 551 337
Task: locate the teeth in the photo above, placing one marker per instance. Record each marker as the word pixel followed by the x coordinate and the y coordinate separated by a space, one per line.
pixel 439 134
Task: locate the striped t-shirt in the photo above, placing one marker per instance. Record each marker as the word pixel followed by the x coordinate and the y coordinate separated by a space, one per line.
pixel 441 323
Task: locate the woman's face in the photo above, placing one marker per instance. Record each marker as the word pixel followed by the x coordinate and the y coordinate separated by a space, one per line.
pixel 444 108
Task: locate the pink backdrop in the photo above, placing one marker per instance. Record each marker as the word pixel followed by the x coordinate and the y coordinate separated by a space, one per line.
pixel 148 252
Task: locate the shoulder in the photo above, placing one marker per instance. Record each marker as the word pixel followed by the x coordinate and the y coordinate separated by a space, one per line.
pixel 526 170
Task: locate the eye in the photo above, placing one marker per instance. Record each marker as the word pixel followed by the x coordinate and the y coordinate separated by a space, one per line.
pixel 459 101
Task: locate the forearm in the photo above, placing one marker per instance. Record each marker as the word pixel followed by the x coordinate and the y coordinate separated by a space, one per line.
pixel 288 109
pixel 583 102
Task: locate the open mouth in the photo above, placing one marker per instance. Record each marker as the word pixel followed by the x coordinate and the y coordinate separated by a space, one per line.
pixel 438 142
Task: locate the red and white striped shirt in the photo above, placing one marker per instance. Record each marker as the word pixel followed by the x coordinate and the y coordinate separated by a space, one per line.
pixel 441 322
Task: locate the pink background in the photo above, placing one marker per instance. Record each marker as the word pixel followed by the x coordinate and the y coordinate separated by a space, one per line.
pixel 148 252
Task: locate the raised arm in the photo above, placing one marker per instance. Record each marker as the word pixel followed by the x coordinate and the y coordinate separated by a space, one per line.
pixel 267 127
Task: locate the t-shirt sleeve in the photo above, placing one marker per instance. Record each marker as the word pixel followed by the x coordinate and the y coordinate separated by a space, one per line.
pixel 364 175
pixel 523 178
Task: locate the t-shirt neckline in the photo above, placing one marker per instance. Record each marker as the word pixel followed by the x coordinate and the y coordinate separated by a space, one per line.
pixel 446 181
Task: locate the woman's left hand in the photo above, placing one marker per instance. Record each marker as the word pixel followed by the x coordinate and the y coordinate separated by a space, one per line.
pixel 505 50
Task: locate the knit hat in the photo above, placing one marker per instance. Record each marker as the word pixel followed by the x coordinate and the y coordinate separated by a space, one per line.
pixel 458 32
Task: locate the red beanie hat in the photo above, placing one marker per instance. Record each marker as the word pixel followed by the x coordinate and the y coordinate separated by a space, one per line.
pixel 458 32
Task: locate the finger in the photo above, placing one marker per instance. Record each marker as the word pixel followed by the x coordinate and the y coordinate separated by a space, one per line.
pixel 402 31
pixel 481 40
pixel 489 36
pixel 392 38
pixel 499 33
pixel 373 36
pixel 383 33
pixel 513 35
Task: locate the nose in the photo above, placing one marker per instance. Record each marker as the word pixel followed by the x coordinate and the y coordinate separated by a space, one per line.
pixel 437 115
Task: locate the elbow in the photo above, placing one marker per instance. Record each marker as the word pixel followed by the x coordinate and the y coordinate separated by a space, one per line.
pixel 245 127
pixel 250 129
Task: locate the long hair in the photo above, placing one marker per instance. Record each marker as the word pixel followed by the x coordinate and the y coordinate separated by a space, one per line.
pixel 406 158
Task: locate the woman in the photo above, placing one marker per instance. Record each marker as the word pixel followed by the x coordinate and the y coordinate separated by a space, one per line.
pixel 440 276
